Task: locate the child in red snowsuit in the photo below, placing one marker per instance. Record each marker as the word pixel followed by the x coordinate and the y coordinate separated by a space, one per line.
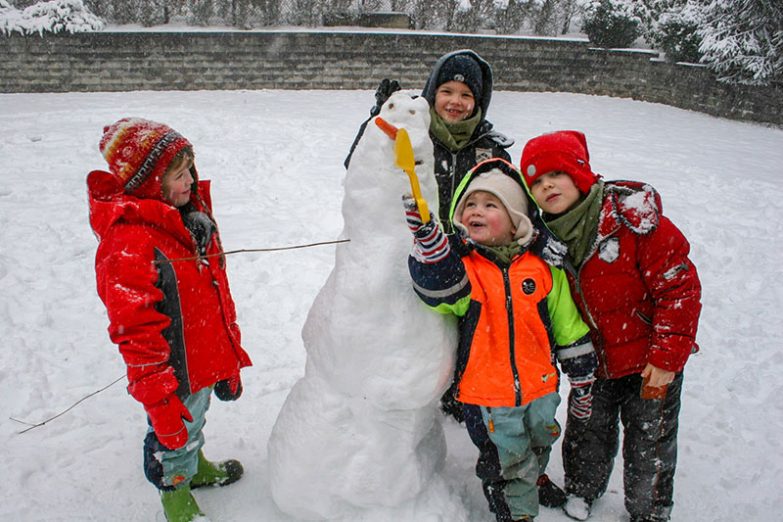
pixel 637 289
pixel 161 276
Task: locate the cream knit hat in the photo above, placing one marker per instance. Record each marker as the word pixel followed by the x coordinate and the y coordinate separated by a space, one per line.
pixel 509 192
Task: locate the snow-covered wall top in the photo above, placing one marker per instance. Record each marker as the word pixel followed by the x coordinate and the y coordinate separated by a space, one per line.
pixel 127 61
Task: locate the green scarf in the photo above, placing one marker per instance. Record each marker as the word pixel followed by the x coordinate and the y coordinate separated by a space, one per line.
pixel 453 135
pixel 505 253
pixel 578 226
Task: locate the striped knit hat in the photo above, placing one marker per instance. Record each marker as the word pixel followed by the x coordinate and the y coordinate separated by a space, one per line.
pixel 138 152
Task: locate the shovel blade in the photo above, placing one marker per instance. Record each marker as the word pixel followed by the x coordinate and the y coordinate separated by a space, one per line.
pixel 403 156
pixel 403 151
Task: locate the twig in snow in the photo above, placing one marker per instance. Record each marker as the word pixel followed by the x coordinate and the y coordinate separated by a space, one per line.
pixel 72 406
pixel 244 250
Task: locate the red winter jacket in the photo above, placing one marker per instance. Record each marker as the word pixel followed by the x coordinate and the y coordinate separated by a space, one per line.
pixel 638 290
pixel 175 323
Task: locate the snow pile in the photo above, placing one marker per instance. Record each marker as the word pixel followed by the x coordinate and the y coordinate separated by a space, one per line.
pixel 275 161
pixel 361 429
pixel 55 16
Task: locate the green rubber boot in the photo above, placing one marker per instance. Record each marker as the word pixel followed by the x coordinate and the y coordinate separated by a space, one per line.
pixel 179 505
pixel 216 474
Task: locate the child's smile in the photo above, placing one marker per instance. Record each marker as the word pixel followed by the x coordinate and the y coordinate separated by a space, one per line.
pixel 454 101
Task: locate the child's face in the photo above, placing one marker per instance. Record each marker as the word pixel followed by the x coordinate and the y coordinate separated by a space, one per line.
pixel 555 192
pixel 177 183
pixel 454 101
pixel 487 219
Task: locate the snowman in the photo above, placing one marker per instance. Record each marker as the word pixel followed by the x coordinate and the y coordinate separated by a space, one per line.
pixel 362 429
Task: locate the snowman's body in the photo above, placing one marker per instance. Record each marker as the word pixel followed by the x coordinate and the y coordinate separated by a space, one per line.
pixel 361 428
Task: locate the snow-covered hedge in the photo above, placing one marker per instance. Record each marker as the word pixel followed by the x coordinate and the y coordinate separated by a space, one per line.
pixel 677 33
pixel 53 17
pixel 742 40
pixel 611 23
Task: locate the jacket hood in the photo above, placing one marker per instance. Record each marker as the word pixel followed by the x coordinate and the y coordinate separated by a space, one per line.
pixel 634 204
pixel 486 92
pixel 543 242
pixel 110 205
pixel 485 166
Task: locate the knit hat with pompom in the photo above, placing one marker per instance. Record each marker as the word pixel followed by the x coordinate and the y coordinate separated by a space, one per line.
pixel 563 151
pixel 138 152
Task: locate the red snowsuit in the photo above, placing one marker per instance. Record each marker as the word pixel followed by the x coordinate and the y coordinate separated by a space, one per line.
pixel 638 288
pixel 641 295
pixel 174 322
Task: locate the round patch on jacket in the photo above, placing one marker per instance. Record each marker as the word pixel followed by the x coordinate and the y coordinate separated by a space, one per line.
pixel 483 154
pixel 528 286
pixel 609 250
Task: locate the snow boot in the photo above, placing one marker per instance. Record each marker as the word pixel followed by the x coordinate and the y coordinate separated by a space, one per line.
pixel 577 508
pixel 179 505
pixel 549 494
pixel 216 474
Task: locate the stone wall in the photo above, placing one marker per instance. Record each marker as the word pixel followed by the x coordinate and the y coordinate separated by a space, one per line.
pixel 359 60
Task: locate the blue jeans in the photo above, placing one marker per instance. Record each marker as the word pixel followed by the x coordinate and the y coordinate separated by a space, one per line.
pixel 514 450
pixel 167 468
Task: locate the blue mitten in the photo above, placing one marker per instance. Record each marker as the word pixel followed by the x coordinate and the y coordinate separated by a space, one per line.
pixel 430 243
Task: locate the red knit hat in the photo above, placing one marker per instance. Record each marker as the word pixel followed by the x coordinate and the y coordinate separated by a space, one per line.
pixel 138 152
pixel 564 151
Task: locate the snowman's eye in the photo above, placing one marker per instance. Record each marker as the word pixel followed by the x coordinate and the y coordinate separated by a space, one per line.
pixel 391 106
pixel 412 112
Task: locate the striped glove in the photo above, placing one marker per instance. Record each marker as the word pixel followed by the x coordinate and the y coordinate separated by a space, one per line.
pixel 430 243
pixel 580 401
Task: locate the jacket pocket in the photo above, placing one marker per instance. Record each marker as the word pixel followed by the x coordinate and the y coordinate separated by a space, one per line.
pixel 646 320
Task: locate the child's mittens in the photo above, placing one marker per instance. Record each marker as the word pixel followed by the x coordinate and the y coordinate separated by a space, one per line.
pixel 229 389
pixel 166 418
pixel 580 401
pixel 431 244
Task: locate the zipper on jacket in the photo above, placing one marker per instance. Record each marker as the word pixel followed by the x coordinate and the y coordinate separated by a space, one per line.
pixel 577 275
pixel 453 173
pixel 511 337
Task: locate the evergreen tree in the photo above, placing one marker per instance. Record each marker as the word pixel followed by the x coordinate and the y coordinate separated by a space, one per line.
pixel 742 40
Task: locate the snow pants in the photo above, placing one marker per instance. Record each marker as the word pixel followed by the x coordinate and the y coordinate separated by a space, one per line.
pixel 514 446
pixel 167 468
pixel 649 446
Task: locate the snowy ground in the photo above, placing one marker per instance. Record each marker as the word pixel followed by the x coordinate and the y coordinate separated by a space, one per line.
pixel 276 161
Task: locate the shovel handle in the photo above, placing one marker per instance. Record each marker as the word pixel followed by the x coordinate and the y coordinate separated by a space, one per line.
pixel 420 201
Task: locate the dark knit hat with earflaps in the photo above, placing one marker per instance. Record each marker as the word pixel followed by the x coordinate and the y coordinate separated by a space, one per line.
pixel 462 68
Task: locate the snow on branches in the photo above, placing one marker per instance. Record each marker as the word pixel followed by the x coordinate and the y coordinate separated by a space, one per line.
pixel 54 16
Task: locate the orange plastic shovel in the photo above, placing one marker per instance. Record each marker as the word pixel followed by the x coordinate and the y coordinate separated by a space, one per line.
pixel 403 157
